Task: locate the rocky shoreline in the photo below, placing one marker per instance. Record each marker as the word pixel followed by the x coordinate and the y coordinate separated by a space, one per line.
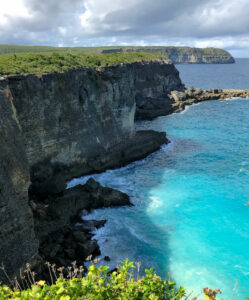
pixel 58 126
pixel 192 95
pixel 176 101
pixel 64 237
pixel 181 99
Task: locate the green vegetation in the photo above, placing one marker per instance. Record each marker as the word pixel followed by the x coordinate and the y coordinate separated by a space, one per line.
pixel 42 59
pixel 165 50
pixel 38 63
pixel 98 285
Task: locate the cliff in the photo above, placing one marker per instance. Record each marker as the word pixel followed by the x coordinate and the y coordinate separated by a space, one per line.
pixel 178 55
pixel 184 55
pixel 187 55
pixel 18 243
pixel 61 125
pixel 80 121
pixel 176 101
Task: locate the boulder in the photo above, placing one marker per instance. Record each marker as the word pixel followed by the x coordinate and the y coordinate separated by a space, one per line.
pixel 104 196
pixel 178 96
pixel 198 91
pixel 83 250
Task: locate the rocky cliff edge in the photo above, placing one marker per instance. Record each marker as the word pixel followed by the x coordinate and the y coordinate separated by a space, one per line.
pixel 57 126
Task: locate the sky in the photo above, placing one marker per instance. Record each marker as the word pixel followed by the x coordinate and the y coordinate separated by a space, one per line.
pixel 196 23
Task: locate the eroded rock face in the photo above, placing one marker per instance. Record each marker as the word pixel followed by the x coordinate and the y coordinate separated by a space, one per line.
pixel 63 235
pixel 176 100
pixel 184 55
pixel 73 121
pixel 17 239
pixel 152 91
pixel 61 211
pixel 58 126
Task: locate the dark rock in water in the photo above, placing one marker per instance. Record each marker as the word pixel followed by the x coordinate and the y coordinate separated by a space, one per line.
pixel 62 210
pixel 104 196
pixel 90 225
pixel 85 249
pixel 61 242
pixel 80 236
pixel 107 258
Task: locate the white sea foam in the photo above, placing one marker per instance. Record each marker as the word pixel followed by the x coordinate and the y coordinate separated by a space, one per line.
pixel 155 203
pixel 167 147
pixel 185 109
pixel 102 176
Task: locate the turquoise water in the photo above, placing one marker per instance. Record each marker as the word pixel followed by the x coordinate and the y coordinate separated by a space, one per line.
pixel 191 217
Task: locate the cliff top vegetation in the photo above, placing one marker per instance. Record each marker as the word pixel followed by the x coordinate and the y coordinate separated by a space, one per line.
pixel 38 63
pixel 14 49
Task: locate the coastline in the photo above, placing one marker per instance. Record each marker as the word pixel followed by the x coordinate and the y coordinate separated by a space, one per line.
pixel 222 95
pixel 175 101
pixel 122 211
pixel 89 128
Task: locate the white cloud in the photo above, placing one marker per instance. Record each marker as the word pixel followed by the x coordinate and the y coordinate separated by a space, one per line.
pixel 62 30
pixel 12 9
pixel 200 23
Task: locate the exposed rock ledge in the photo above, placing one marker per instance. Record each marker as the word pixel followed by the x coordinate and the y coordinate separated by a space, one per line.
pixel 192 95
pixel 175 101
pixel 61 239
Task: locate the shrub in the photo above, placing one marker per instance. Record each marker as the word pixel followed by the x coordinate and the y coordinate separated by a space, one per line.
pixel 98 285
pixel 38 63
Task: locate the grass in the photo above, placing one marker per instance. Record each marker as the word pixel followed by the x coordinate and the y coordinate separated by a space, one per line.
pixel 38 63
pixel 165 50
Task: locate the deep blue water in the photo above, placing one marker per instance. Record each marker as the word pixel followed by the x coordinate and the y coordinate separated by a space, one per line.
pixel 227 76
pixel 191 218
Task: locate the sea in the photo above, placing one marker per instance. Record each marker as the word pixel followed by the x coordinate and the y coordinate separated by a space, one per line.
pixel 190 219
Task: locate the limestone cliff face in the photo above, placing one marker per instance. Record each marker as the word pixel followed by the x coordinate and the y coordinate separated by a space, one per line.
pixel 17 240
pixel 190 57
pixel 183 55
pixel 57 126
pixel 76 120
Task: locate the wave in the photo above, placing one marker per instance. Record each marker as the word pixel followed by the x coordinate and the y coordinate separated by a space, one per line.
pixel 101 176
pixel 187 107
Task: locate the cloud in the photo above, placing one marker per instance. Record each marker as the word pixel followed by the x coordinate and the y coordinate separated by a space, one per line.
pixel 137 22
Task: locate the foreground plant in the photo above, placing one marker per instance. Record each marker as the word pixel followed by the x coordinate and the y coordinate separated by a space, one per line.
pixel 98 285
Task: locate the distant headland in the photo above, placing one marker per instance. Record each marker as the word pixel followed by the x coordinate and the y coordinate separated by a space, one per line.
pixel 178 55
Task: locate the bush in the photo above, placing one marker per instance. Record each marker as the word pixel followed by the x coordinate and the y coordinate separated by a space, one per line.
pixel 98 285
pixel 38 63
